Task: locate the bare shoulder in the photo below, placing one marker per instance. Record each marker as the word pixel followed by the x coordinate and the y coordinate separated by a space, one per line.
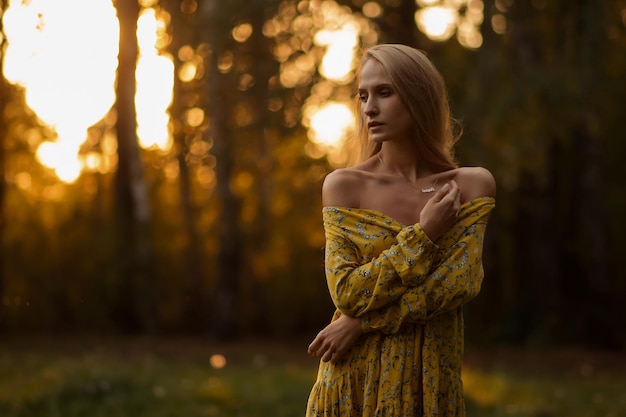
pixel 475 182
pixel 341 188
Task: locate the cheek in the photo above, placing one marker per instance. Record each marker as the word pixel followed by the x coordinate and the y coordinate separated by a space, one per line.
pixel 404 118
pixel 401 110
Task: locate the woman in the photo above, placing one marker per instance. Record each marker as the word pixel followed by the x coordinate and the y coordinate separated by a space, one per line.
pixel 404 230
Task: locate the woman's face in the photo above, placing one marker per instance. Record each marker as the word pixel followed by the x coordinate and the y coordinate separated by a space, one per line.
pixel 382 108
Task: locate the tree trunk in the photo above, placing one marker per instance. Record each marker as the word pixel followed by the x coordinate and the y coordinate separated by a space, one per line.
pixel 220 86
pixel 195 310
pixel 258 46
pixel 4 99
pixel 138 300
pixel 605 322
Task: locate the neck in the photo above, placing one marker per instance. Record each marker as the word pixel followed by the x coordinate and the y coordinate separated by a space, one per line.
pixel 404 162
pixel 415 183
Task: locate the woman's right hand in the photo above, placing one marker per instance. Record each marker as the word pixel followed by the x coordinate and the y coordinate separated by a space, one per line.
pixel 332 343
pixel 440 212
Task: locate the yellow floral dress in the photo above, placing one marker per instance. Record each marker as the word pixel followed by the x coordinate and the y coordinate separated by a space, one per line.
pixel 409 293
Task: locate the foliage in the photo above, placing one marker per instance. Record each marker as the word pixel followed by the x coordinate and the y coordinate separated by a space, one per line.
pixel 157 377
pixel 540 103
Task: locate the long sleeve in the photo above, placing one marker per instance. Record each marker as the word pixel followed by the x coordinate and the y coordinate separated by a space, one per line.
pixel 453 282
pixel 359 283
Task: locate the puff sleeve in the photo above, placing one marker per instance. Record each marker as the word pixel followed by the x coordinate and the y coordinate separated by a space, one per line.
pixel 357 284
pixel 454 280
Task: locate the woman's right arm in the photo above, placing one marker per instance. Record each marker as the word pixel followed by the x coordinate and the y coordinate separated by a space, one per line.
pixel 355 286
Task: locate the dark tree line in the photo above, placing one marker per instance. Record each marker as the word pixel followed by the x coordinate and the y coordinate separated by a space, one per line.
pixel 241 252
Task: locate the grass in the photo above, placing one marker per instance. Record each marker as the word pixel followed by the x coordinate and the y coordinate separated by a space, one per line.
pixel 197 378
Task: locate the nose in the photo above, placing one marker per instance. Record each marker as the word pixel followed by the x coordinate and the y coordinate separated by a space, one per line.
pixel 369 107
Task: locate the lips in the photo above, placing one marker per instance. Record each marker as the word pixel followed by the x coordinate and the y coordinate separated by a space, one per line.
pixel 373 124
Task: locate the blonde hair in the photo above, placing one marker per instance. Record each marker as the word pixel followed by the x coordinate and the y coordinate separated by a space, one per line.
pixel 423 91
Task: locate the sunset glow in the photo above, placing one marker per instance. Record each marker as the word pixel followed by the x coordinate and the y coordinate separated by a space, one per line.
pixel 440 20
pixel 341 44
pixel 329 123
pixel 439 23
pixel 67 68
pixel 64 55
pixel 155 83
pixel 328 115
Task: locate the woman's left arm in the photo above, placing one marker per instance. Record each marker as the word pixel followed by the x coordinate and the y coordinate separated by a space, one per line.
pixel 454 282
pixel 458 278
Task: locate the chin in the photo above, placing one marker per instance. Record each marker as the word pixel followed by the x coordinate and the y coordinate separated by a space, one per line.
pixel 378 139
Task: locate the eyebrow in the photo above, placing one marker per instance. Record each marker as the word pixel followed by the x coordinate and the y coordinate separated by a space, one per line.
pixel 377 86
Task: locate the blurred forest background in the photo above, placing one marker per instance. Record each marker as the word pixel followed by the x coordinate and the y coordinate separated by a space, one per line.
pixel 179 191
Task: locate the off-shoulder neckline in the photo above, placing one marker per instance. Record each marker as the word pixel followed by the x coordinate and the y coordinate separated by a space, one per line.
pixel 464 206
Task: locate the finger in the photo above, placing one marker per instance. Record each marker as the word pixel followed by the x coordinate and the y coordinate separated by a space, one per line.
pixel 328 355
pixel 337 356
pixel 320 348
pixel 314 346
pixel 441 193
pixel 323 350
pixel 454 187
pixel 451 197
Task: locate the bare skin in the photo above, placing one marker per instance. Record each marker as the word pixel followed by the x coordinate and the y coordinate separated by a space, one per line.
pixel 391 182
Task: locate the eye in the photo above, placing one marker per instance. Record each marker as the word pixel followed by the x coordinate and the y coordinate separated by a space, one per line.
pixel 386 92
pixel 362 97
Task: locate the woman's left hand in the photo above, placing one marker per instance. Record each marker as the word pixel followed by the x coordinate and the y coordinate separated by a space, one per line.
pixel 334 340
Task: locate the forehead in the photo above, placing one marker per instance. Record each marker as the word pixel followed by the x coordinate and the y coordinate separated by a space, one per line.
pixel 372 74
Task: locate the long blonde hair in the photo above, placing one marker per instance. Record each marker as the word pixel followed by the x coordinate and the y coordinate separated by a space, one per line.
pixel 424 93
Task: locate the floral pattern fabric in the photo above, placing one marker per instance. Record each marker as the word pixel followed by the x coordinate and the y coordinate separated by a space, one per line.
pixel 409 293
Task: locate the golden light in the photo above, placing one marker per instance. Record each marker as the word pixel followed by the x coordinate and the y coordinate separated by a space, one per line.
pixel 187 72
pixel 155 84
pixel 225 62
pixel 329 124
pixel 189 69
pixel 468 33
pixel 62 157
pixel 372 10
pixel 440 19
pixel 242 32
pixel 64 55
pixel 326 115
pixel 194 117
pixel 469 36
pixel 437 22
pixel 23 180
pixel 426 3
pixel 498 23
pixel 338 61
pixel 217 361
pixel 67 68
pixel 475 10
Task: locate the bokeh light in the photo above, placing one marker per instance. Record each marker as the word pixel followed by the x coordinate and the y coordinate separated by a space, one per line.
pixel 439 23
pixel 217 361
pixel 440 20
pixel 329 123
pixel 341 44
